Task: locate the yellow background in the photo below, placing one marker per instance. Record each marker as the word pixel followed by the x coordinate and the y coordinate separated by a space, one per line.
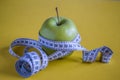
pixel 98 22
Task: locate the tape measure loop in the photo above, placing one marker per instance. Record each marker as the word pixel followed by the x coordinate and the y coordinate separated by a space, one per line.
pixel 90 56
pixel 28 64
pixel 62 45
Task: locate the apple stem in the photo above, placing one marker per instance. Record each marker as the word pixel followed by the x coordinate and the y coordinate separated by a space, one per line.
pixel 57 16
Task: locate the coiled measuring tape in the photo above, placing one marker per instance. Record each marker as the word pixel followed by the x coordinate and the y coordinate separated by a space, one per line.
pixel 30 63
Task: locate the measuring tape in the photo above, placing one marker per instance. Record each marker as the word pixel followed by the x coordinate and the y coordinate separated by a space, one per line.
pixel 31 62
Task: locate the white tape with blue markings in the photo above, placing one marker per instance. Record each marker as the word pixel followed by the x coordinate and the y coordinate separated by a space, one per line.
pixel 62 48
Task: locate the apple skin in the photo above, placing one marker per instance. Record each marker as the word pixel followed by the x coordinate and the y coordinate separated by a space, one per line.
pixel 65 31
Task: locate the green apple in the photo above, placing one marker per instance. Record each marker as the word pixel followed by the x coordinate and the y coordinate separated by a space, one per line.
pixel 64 31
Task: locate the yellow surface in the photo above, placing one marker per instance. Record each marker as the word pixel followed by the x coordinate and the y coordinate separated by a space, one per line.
pixel 98 22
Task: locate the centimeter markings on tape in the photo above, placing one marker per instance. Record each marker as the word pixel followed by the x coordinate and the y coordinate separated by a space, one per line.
pixel 62 48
